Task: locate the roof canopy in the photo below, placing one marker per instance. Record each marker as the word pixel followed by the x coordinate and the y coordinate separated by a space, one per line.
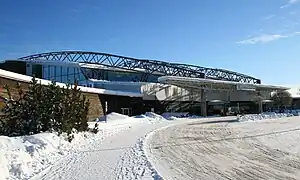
pixel 199 83
pixel 145 65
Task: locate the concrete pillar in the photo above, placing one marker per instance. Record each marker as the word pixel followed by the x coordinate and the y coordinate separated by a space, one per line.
pixel 228 99
pixel 260 106
pixel 203 103
pixel 191 99
pixel 260 102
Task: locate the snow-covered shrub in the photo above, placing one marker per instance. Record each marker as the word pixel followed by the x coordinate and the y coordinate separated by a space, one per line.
pixel 44 108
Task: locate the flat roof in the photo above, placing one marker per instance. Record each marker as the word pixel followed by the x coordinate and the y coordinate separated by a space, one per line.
pixel 25 78
pixel 200 83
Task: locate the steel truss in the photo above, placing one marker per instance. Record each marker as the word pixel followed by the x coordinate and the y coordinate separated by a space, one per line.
pixel 149 66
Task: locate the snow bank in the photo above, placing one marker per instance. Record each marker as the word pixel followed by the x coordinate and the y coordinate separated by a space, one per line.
pixel 267 115
pixel 22 157
pixel 112 117
pixel 25 156
pixel 171 116
pixel 175 116
pixel 153 117
pixel 115 119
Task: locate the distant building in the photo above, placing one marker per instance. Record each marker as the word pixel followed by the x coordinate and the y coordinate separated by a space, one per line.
pixel 148 85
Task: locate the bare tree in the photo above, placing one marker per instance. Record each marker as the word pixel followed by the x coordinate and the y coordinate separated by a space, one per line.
pixel 282 99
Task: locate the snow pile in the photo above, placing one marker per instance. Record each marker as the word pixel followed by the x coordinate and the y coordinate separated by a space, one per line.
pixel 295 112
pixel 26 156
pixel 269 115
pixel 22 157
pixel 154 118
pixel 175 116
pixel 112 116
pixel 172 116
pixel 292 111
pixel 3 165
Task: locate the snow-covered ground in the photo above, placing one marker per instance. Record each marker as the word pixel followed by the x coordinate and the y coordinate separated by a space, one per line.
pixel 48 156
pixel 267 149
pixel 117 151
pixel 26 156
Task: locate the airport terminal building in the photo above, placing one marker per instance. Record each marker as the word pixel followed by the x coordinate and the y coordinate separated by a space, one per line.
pixel 133 86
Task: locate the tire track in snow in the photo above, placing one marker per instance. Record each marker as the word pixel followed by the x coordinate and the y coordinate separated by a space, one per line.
pixel 135 165
pixel 217 151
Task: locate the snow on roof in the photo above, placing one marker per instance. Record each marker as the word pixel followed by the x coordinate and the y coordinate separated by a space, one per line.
pixel 25 78
pixel 183 81
pixel 48 62
pixel 116 82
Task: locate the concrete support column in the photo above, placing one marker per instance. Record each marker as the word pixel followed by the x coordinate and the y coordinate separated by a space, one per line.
pixel 228 100
pixel 260 102
pixel 203 103
pixel 260 106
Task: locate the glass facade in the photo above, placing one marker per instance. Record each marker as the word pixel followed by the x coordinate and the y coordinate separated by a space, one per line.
pixel 123 76
pixel 63 74
pixel 118 86
pixel 66 73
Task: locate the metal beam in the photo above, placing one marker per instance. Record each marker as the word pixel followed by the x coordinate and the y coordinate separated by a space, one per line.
pixel 150 66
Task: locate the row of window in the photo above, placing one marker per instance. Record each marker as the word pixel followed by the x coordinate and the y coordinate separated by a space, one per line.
pixel 63 74
pixel 66 74
pixel 121 76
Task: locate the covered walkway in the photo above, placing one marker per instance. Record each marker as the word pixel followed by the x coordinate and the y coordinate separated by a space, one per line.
pixel 203 85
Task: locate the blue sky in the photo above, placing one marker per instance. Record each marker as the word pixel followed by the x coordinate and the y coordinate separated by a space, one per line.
pixel 256 37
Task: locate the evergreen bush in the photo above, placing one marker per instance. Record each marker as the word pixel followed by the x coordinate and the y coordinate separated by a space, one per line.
pixel 44 109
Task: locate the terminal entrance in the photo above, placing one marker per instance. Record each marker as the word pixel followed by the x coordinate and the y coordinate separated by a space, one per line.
pixel 250 97
pixel 126 111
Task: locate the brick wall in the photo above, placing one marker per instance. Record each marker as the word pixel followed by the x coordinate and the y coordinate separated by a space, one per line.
pixel 95 111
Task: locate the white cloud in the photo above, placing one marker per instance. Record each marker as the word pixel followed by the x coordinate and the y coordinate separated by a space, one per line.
pixel 267 38
pixel 262 39
pixel 290 2
pixel 268 17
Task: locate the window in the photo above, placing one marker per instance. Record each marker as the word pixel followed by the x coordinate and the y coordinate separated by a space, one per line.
pixel 126 111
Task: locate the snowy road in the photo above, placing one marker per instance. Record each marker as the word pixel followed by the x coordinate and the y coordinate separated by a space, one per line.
pixel 179 149
pixel 266 149
pixel 117 157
